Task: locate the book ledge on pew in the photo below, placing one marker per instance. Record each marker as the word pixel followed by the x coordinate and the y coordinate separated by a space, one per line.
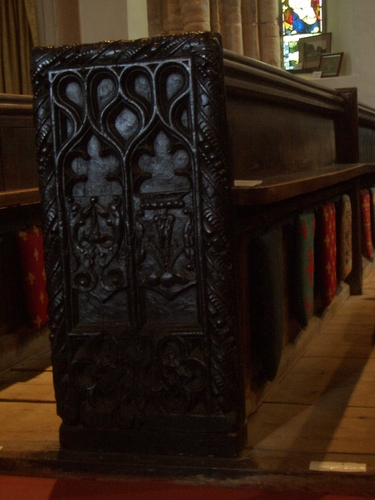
pixel 284 186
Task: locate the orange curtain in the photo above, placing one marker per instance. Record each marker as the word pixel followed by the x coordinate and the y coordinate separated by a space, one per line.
pixel 249 27
pixel 18 35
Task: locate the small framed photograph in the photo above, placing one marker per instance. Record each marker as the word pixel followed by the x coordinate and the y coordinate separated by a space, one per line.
pixel 330 64
pixel 311 48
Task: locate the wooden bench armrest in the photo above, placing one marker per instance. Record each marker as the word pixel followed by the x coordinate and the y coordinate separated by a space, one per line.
pixel 282 187
pixel 19 197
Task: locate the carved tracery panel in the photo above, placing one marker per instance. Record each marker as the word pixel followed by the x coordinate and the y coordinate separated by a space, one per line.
pixel 124 151
pixel 135 193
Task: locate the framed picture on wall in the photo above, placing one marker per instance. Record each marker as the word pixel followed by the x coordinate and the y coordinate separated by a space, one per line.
pixel 311 48
pixel 330 64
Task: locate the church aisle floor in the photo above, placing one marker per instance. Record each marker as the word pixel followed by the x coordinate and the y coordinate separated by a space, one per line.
pixel 321 414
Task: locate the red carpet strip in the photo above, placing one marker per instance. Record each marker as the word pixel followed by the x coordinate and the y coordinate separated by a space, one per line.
pixel 34 488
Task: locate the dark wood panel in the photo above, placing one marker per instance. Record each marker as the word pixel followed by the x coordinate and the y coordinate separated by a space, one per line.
pixel 366 116
pixel 18 158
pixel 18 166
pixel 19 202
pixel 12 103
pixel 19 120
pixel 144 209
pixel 12 305
pixel 269 139
pixel 346 127
pixel 367 144
pixel 267 83
pixel 17 218
pixel 1 172
pixel 19 197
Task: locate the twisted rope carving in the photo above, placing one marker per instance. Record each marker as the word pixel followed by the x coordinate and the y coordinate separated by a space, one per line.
pixel 216 235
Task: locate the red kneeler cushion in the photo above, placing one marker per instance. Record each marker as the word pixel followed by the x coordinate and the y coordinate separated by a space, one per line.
pixel 327 252
pixel 366 223
pixel 303 287
pixel 30 245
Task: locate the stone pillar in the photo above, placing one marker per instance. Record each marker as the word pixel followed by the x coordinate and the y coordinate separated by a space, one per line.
pixel 172 20
pixel 269 31
pixel 250 28
pixel 233 25
pixel 155 17
pixel 195 15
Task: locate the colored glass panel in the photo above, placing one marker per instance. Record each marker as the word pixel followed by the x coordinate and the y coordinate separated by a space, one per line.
pixel 300 18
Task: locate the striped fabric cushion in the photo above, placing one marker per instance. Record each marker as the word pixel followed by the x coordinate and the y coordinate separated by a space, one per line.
pixel 326 251
pixel 30 245
pixel 372 195
pixel 303 288
pixel 366 223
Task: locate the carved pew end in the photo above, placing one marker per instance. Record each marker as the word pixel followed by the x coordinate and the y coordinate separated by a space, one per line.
pixel 135 189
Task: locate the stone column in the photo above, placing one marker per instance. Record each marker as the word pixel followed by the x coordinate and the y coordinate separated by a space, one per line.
pixel 195 15
pixel 269 31
pixel 215 18
pixel 172 21
pixel 155 17
pixel 250 28
pixel 233 25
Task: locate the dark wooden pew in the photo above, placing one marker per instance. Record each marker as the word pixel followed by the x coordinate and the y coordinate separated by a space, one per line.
pixel 18 166
pixel 19 207
pixel 366 134
pixel 155 248
pixel 307 145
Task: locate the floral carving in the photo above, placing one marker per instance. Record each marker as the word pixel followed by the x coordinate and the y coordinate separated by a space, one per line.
pixel 168 377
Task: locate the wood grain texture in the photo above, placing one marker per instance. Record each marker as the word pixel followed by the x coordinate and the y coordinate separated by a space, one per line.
pixel 283 437
pixel 325 403
pixel 135 189
pixel 18 166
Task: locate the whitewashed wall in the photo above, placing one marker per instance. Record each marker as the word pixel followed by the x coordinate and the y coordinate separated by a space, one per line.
pixel 351 23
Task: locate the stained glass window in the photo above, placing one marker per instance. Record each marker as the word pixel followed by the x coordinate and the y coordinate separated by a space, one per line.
pixel 301 18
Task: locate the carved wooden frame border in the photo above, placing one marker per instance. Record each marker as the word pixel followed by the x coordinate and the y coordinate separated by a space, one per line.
pixel 226 401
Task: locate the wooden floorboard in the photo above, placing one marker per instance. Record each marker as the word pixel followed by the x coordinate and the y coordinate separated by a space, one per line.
pixel 28 426
pixel 323 409
pixel 39 388
pixel 326 403
pixel 314 429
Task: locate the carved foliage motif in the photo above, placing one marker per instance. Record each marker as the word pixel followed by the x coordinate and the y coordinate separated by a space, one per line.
pixel 104 369
pixel 167 254
pixel 135 193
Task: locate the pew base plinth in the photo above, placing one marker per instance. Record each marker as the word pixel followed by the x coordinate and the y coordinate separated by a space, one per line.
pixel 153 441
